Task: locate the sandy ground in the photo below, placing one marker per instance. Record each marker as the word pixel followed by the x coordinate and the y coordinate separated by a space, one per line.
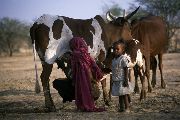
pixel 19 101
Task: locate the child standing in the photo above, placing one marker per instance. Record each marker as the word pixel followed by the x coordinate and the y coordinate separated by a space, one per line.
pixel 121 84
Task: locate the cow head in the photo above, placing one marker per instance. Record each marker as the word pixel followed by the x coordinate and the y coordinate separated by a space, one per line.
pixel 121 23
pixel 119 28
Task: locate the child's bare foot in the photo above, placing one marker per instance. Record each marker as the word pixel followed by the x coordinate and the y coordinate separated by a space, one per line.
pixel 121 110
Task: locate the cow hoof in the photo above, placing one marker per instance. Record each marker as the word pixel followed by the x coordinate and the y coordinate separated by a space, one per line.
pixel 107 103
pixel 163 85
pixel 153 83
pixel 149 89
pixel 109 94
pixel 143 95
pixel 51 109
pixel 136 89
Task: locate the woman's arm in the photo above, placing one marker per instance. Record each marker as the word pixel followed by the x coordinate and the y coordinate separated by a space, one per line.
pixel 96 71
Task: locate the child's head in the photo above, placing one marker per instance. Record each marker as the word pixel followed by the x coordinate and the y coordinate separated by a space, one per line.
pixel 119 47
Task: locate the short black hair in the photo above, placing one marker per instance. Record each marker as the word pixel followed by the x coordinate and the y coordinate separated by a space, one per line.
pixel 120 41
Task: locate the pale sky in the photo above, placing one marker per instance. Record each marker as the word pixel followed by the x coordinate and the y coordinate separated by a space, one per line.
pixel 29 10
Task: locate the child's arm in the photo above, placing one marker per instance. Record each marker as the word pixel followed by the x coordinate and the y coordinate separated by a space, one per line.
pixel 130 78
pixel 126 75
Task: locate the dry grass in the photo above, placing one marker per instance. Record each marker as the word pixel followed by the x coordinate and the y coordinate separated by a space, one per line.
pixel 19 101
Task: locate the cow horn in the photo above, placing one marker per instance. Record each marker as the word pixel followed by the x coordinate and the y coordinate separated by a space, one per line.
pixel 131 14
pixel 124 13
pixel 110 17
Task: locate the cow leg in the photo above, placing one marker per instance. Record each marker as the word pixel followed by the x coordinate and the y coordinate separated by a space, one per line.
pixel 147 64
pixel 136 87
pixel 154 67
pixel 163 84
pixel 142 78
pixel 110 89
pixel 47 68
pixel 105 94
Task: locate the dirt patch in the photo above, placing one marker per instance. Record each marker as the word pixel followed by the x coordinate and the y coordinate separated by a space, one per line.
pixel 19 101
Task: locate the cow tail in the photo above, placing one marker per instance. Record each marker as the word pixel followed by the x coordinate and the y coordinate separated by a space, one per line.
pixel 37 86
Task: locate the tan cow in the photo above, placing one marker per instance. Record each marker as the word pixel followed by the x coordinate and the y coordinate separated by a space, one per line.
pixel 151 32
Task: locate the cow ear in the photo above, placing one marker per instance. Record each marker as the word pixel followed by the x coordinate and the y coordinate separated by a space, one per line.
pixel 131 14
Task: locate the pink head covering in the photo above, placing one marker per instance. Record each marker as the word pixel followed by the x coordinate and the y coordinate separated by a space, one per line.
pixel 80 55
pixel 77 43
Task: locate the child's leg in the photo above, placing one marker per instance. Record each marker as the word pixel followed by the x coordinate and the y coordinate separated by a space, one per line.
pixel 129 98
pixel 126 102
pixel 121 103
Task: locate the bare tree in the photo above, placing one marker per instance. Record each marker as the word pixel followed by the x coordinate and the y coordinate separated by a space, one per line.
pixel 12 31
pixel 114 8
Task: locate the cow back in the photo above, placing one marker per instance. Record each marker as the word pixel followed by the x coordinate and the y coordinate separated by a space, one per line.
pixel 54 42
pixel 151 32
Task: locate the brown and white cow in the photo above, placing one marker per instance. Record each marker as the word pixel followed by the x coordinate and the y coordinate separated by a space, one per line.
pixel 51 36
pixel 151 32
